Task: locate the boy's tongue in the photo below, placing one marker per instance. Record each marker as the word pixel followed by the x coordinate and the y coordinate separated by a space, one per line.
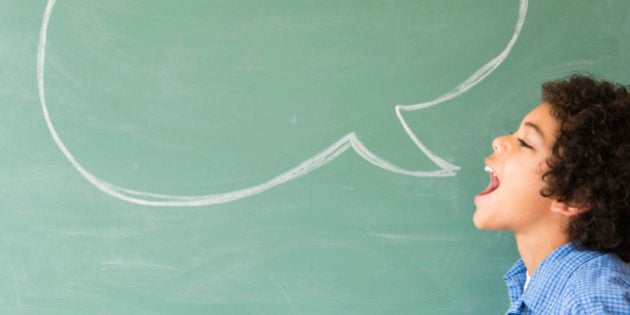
pixel 492 186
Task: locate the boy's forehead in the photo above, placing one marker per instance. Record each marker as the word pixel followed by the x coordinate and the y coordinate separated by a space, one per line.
pixel 534 127
pixel 541 122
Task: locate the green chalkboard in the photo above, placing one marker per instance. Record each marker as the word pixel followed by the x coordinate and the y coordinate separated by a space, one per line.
pixel 269 157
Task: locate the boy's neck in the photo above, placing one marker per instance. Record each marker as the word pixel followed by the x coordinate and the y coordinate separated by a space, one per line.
pixel 534 249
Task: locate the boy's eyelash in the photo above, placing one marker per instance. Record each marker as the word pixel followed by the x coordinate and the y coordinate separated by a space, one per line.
pixel 524 144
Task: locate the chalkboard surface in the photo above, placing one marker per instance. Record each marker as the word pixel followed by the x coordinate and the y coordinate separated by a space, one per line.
pixel 269 157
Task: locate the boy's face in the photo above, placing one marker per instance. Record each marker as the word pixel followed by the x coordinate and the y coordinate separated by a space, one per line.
pixel 512 200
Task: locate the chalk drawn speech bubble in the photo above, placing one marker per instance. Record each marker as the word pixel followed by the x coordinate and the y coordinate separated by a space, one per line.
pixel 346 142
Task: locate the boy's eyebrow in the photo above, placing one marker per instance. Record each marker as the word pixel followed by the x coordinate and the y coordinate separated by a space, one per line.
pixel 535 127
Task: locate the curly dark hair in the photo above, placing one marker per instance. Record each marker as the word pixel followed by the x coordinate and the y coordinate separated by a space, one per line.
pixel 590 161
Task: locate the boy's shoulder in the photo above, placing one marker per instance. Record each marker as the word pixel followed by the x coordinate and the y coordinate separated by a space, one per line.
pixel 573 281
pixel 599 271
pixel 600 285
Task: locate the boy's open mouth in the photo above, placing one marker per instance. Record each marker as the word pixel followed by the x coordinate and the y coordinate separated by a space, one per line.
pixel 494 182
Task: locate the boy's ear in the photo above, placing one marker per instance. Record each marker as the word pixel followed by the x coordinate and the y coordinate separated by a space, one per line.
pixel 567 209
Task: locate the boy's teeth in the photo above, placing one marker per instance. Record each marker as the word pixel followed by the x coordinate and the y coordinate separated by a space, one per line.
pixel 487 169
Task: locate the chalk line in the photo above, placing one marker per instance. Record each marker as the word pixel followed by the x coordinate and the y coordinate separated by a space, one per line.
pixel 350 140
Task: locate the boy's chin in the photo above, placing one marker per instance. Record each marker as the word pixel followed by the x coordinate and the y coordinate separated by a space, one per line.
pixel 480 222
pixel 477 223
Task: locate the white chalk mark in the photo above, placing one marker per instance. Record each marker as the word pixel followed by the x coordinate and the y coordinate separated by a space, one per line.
pixel 284 292
pixel 18 299
pixel 350 140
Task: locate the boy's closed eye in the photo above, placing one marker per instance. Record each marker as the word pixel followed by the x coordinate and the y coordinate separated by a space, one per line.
pixel 524 144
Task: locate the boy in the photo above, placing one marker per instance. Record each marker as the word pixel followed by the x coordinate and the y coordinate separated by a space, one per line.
pixel 561 184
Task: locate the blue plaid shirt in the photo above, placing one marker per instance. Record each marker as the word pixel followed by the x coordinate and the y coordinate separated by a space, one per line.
pixel 571 281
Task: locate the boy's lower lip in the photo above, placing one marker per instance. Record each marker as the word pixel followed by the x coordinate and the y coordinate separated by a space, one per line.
pixel 480 197
pixel 487 191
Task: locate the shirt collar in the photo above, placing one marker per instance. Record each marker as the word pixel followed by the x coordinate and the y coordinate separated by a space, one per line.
pixel 549 279
pixel 515 280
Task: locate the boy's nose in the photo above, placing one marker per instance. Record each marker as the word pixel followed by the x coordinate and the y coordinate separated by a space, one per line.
pixel 499 145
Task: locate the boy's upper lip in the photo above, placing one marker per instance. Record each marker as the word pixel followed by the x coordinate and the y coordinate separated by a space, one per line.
pixel 491 167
